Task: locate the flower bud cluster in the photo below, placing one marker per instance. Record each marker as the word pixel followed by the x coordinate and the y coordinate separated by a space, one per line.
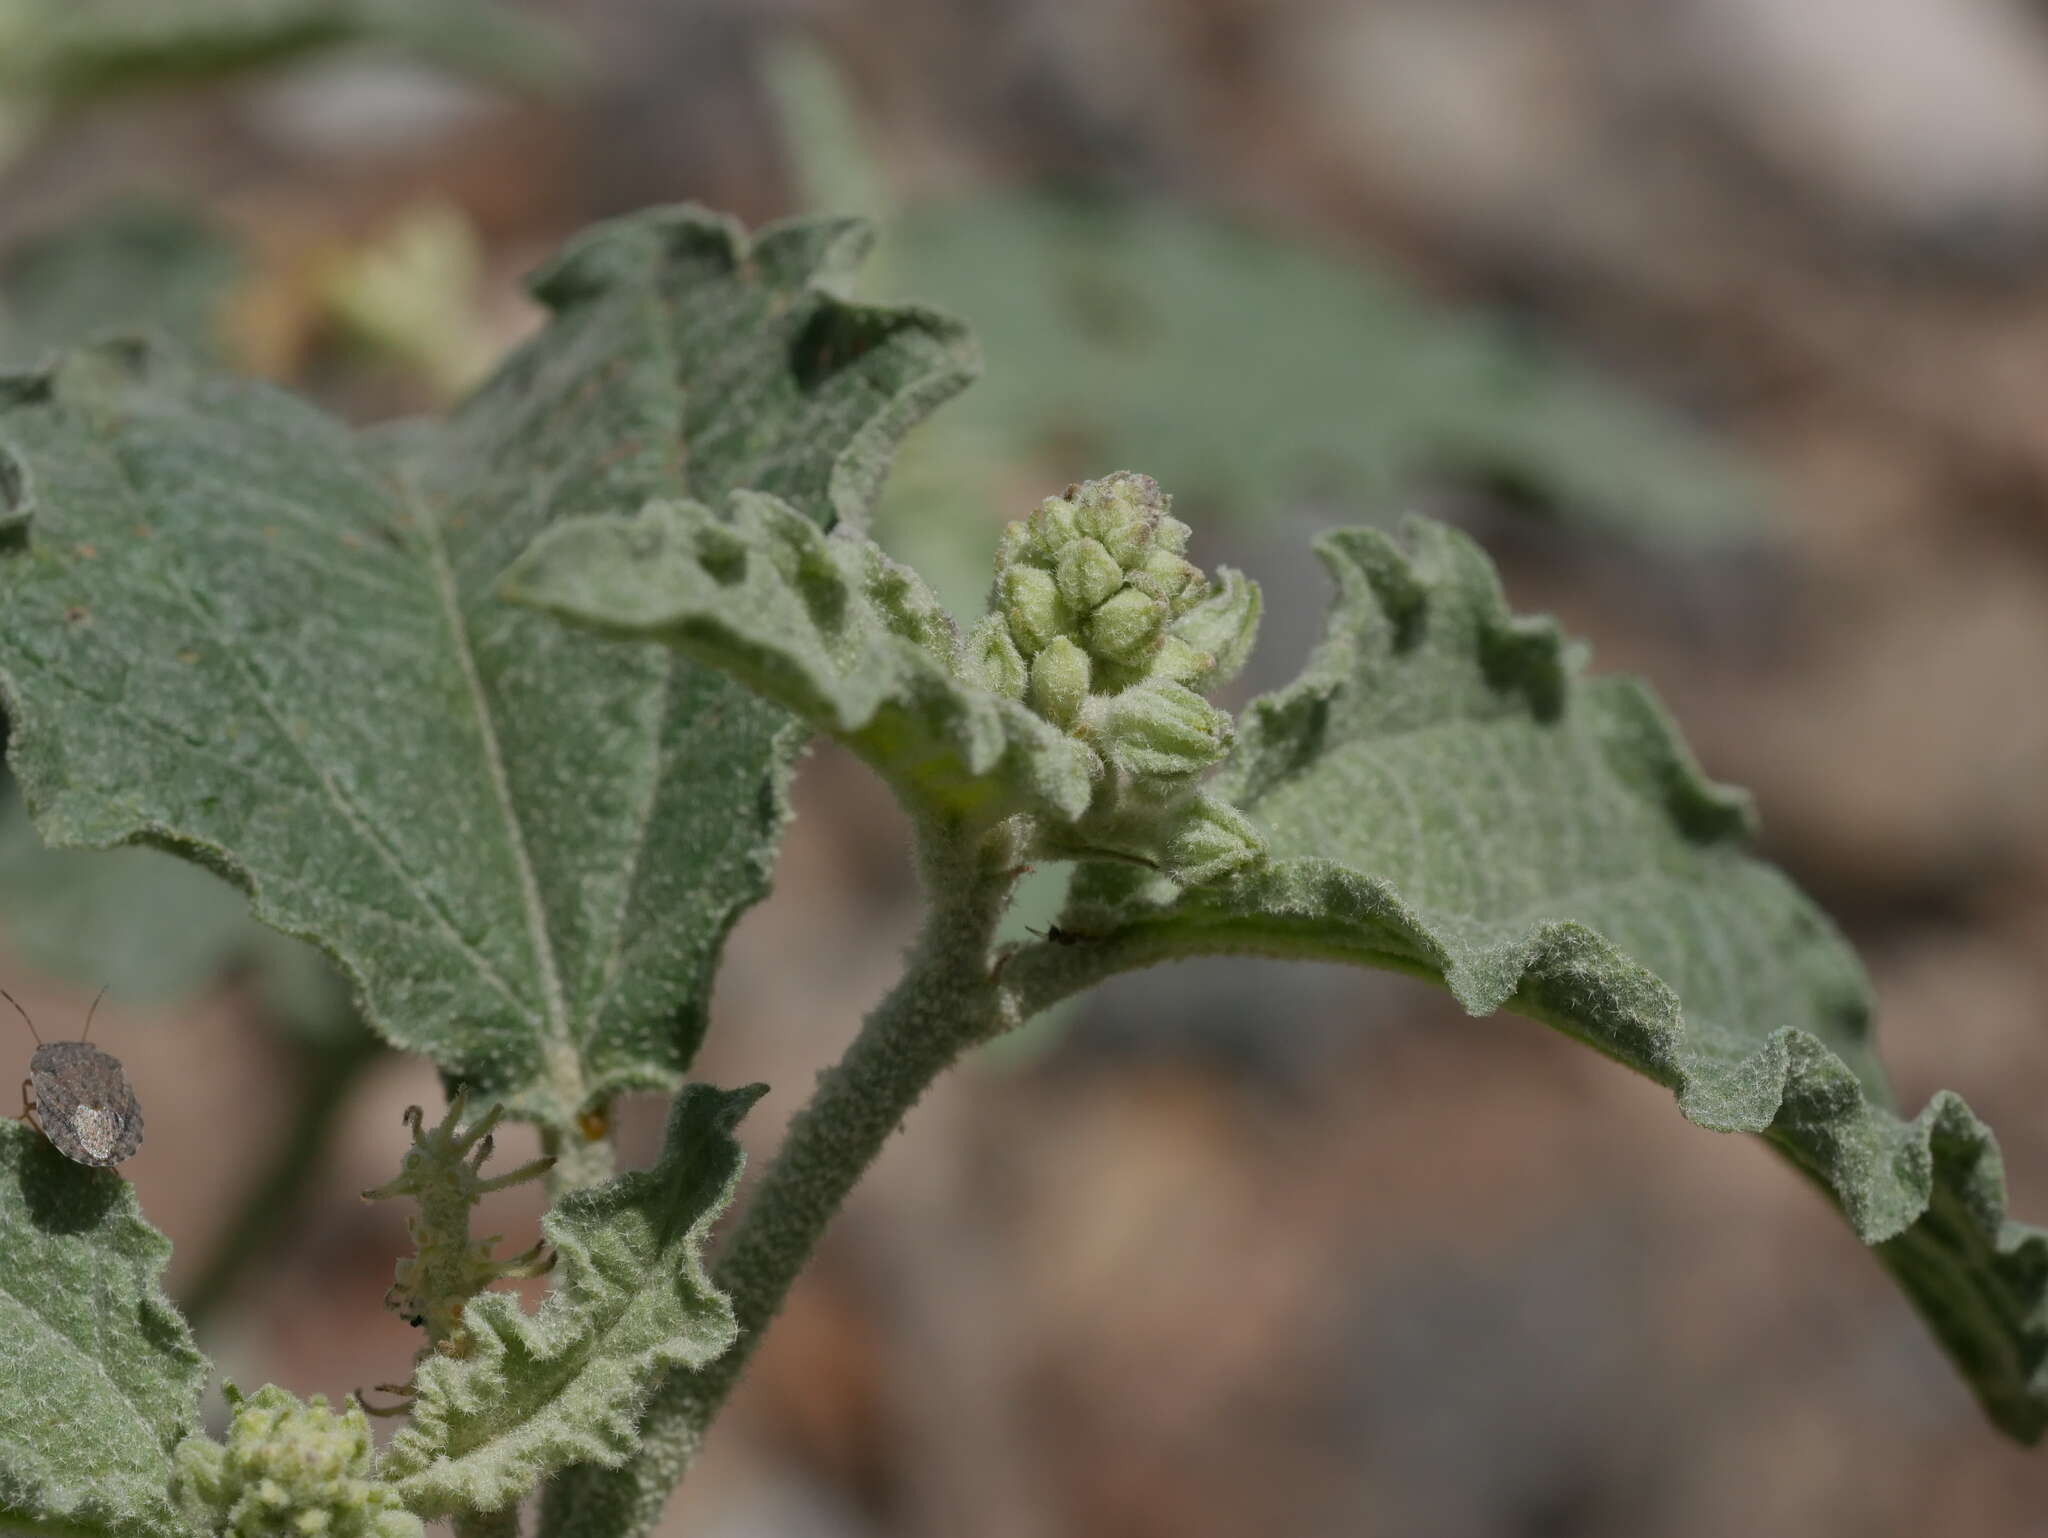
pixel 290 1468
pixel 1102 626
pixel 1089 593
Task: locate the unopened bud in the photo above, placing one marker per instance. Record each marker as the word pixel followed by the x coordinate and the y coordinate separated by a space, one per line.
pixel 1163 730
pixel 992 660
pixel 1213 842
pixel 1059 682
pixel 1032 605
pixel 1127 628
pixel 1088 575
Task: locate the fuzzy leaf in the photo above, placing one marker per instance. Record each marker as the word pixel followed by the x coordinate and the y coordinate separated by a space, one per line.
pixel 99 1380
pixel 827 626
pixel 1445 795
pixel 537 1393
pixel 232 627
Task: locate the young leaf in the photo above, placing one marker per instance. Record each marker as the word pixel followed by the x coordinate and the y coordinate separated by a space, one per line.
pixel 830 628
pixel 534 1394
pixel 1445 795
pixel 99 1380
pixel 232 627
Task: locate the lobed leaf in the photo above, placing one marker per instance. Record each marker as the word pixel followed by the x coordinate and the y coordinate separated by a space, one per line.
pixel 533 1394
pixel 99 1379
pixel 1445 795
pixel 827 627
pixel 232 627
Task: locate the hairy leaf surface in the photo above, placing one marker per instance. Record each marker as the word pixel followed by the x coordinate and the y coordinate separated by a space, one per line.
pixel 536 1393
pixel 827 626
pixel 1445 795
pixel 233 627
pixel 99 1380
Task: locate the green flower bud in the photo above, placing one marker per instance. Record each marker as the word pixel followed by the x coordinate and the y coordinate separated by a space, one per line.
pixel 1127 628
pixel 1213 842
pixel 1162 730
pixel 1032 605
pixel 1060 676
pixel 1053 526
pixel 1087 575
pixel 991 659
pixel 289 1468
pixel 1176 662
pixel 1172 580
pixel 1016 543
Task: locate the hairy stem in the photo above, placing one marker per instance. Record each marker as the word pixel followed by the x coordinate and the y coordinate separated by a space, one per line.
pixel 944 1002
pixel 579 1161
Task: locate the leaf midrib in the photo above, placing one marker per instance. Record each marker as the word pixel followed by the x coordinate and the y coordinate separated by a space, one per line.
pixel 564 1063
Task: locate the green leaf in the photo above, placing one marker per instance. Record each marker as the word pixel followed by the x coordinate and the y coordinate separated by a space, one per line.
pixel 535 1394
pixel 127 267
pixel 80 48
pixel 827 627
pixel 151 928
pixel 1245 370
pixel 1445 795
pixel 99 1380
pixel 239 630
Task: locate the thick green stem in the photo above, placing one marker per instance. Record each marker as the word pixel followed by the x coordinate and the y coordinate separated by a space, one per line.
pixel 945 1002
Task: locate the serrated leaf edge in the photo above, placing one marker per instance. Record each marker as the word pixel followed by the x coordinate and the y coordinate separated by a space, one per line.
pixel 435 1483
pixel 1892 1179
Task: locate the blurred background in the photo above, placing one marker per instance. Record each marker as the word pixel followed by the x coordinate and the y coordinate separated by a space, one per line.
pixel 1722 323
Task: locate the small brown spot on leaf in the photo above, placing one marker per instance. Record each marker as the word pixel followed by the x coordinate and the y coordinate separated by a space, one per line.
pixel 86 552
pixel 77 614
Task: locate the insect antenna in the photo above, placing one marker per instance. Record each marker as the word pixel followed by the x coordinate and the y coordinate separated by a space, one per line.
pixel 94 1010
pixel 10 998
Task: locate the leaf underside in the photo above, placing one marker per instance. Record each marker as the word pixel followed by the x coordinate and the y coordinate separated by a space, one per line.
pixel 825 625
pixel 99 1379
pixel 536 1393
pixel 1445 795
pixel 232 627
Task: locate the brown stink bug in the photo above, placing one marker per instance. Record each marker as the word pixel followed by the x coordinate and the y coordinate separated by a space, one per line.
pixel 83 1103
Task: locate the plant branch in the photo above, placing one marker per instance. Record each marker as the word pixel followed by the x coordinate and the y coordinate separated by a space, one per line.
pixel 944 1003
